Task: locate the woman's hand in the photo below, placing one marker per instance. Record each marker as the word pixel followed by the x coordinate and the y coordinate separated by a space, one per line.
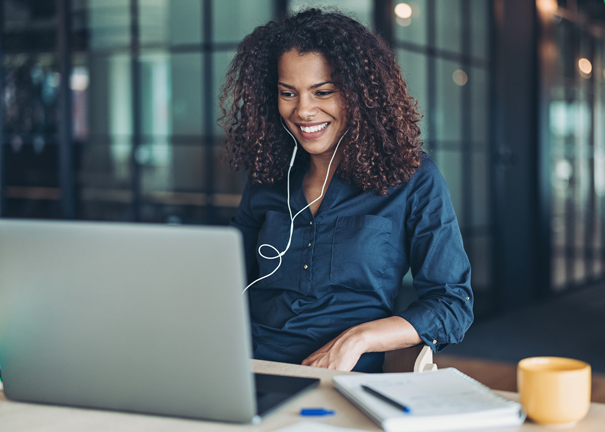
pixel 343 352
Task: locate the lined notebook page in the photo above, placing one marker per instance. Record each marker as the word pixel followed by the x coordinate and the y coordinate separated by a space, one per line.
pixel 446 393
pixel 445 399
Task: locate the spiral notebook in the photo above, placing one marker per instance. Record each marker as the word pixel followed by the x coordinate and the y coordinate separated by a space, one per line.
pixel 445 399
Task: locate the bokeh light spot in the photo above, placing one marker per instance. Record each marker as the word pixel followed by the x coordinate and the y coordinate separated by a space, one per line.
pixel 403 10
pixel 585 66
pixel 460 77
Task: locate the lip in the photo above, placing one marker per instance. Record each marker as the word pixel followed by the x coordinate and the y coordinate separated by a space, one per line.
pixel 312 135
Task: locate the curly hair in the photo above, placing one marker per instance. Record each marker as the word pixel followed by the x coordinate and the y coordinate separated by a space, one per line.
pixel 382 148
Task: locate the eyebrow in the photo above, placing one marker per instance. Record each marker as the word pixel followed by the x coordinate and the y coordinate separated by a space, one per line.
pixel 310 88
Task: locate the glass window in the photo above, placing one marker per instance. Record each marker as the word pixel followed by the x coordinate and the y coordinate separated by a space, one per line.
pixel 599 161
pixel 31 88
pixel 105 209
pixel 414 70
pixel 448 112
pixel 170 171
pixel 480 28
pixel 155 159
pixel 480 115
pixel 220 65
pixel 30 98
pixel 110 91
pixel 187 94
pixel 360 10
pixel 165 22
pixel 153 22
pixel 185 21
pixel 79 80
pixel 448 19
pixel 234 19
pixel 575 139
pixel 108 24
pixel 565 41
pixel 414 28
pixel 104 165
pixel 450 165
pixel 481 262
pixel 155 94
pixel 480 188
pixel 228 183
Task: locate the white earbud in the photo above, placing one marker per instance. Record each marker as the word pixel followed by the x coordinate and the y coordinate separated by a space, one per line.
pixel 280 254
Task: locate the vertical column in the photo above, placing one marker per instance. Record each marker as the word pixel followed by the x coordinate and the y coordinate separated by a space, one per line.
pixel 66 149
pixel 593 213
pixel 384 20
pixel 135 70
pixel 2 149
pixel 600 138
pixel 280 8
pixel 431 91
pixel 491 136
pixel 571 143
pixel 516 272
pixel 466 146
pixel 207 85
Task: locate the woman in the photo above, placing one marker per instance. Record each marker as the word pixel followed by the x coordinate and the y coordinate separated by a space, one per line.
pixel 331 228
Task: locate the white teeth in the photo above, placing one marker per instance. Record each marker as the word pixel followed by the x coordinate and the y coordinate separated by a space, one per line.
pixel 313 128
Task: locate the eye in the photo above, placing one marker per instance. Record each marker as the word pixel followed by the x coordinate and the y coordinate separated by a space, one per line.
pixel 324 93
pixel 286 94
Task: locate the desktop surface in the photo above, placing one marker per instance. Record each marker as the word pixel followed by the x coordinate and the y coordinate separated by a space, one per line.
pixel 21 417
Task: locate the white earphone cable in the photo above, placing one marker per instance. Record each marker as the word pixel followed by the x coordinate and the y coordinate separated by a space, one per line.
pixel 280 254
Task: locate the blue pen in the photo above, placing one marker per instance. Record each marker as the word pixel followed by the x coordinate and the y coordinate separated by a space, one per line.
pixel 380 396
pixel 308 412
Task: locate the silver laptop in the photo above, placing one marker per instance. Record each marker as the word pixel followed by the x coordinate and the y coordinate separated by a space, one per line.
pixel 141 318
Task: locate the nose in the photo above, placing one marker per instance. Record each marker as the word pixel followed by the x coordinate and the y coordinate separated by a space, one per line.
pixel 306 107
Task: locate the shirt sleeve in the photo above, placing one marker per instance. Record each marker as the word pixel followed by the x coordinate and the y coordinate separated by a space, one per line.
pixel 439 264
pixel 249 226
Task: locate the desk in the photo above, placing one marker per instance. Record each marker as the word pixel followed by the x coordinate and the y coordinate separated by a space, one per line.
pixel 21 417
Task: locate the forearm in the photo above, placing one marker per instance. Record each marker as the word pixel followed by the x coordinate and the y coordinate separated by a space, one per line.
pixel 385 334
pixel 343 352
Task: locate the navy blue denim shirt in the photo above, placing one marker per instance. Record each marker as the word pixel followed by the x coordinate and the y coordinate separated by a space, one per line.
pixel 345 265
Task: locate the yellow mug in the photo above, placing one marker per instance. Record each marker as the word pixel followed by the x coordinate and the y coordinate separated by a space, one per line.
pixel 554 390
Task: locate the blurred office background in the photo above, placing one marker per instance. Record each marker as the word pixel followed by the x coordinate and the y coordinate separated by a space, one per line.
pixel 109 114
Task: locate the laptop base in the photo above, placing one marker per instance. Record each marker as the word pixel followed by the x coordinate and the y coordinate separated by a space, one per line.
pixel 273 391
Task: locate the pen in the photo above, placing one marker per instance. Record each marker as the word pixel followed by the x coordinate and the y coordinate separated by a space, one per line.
pixel 316 412
pixel 380 396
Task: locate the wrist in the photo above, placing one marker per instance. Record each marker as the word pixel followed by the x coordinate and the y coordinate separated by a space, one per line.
pixel 359 338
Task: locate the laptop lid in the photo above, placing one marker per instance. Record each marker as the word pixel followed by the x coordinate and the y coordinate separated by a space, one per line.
pixel 141 318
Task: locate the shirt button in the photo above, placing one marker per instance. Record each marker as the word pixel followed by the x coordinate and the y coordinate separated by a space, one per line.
pixel 468 298
pixel 435 342
pixel 311 223
pixel 309 245
pixel 306 267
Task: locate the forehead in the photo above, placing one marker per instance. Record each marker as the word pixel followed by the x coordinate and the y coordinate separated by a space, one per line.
pixel 309 68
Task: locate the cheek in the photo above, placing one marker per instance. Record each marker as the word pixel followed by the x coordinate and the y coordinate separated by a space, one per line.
pixel 282 107
pixel 342 108
pixel 342 113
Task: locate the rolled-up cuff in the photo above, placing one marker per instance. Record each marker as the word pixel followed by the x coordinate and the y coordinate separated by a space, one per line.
pixel 428 326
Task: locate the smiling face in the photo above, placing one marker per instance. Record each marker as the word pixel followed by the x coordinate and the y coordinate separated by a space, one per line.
pixel 309 102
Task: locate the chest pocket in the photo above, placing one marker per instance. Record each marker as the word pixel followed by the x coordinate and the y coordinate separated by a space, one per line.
pixel 359 251
pixel 275 231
